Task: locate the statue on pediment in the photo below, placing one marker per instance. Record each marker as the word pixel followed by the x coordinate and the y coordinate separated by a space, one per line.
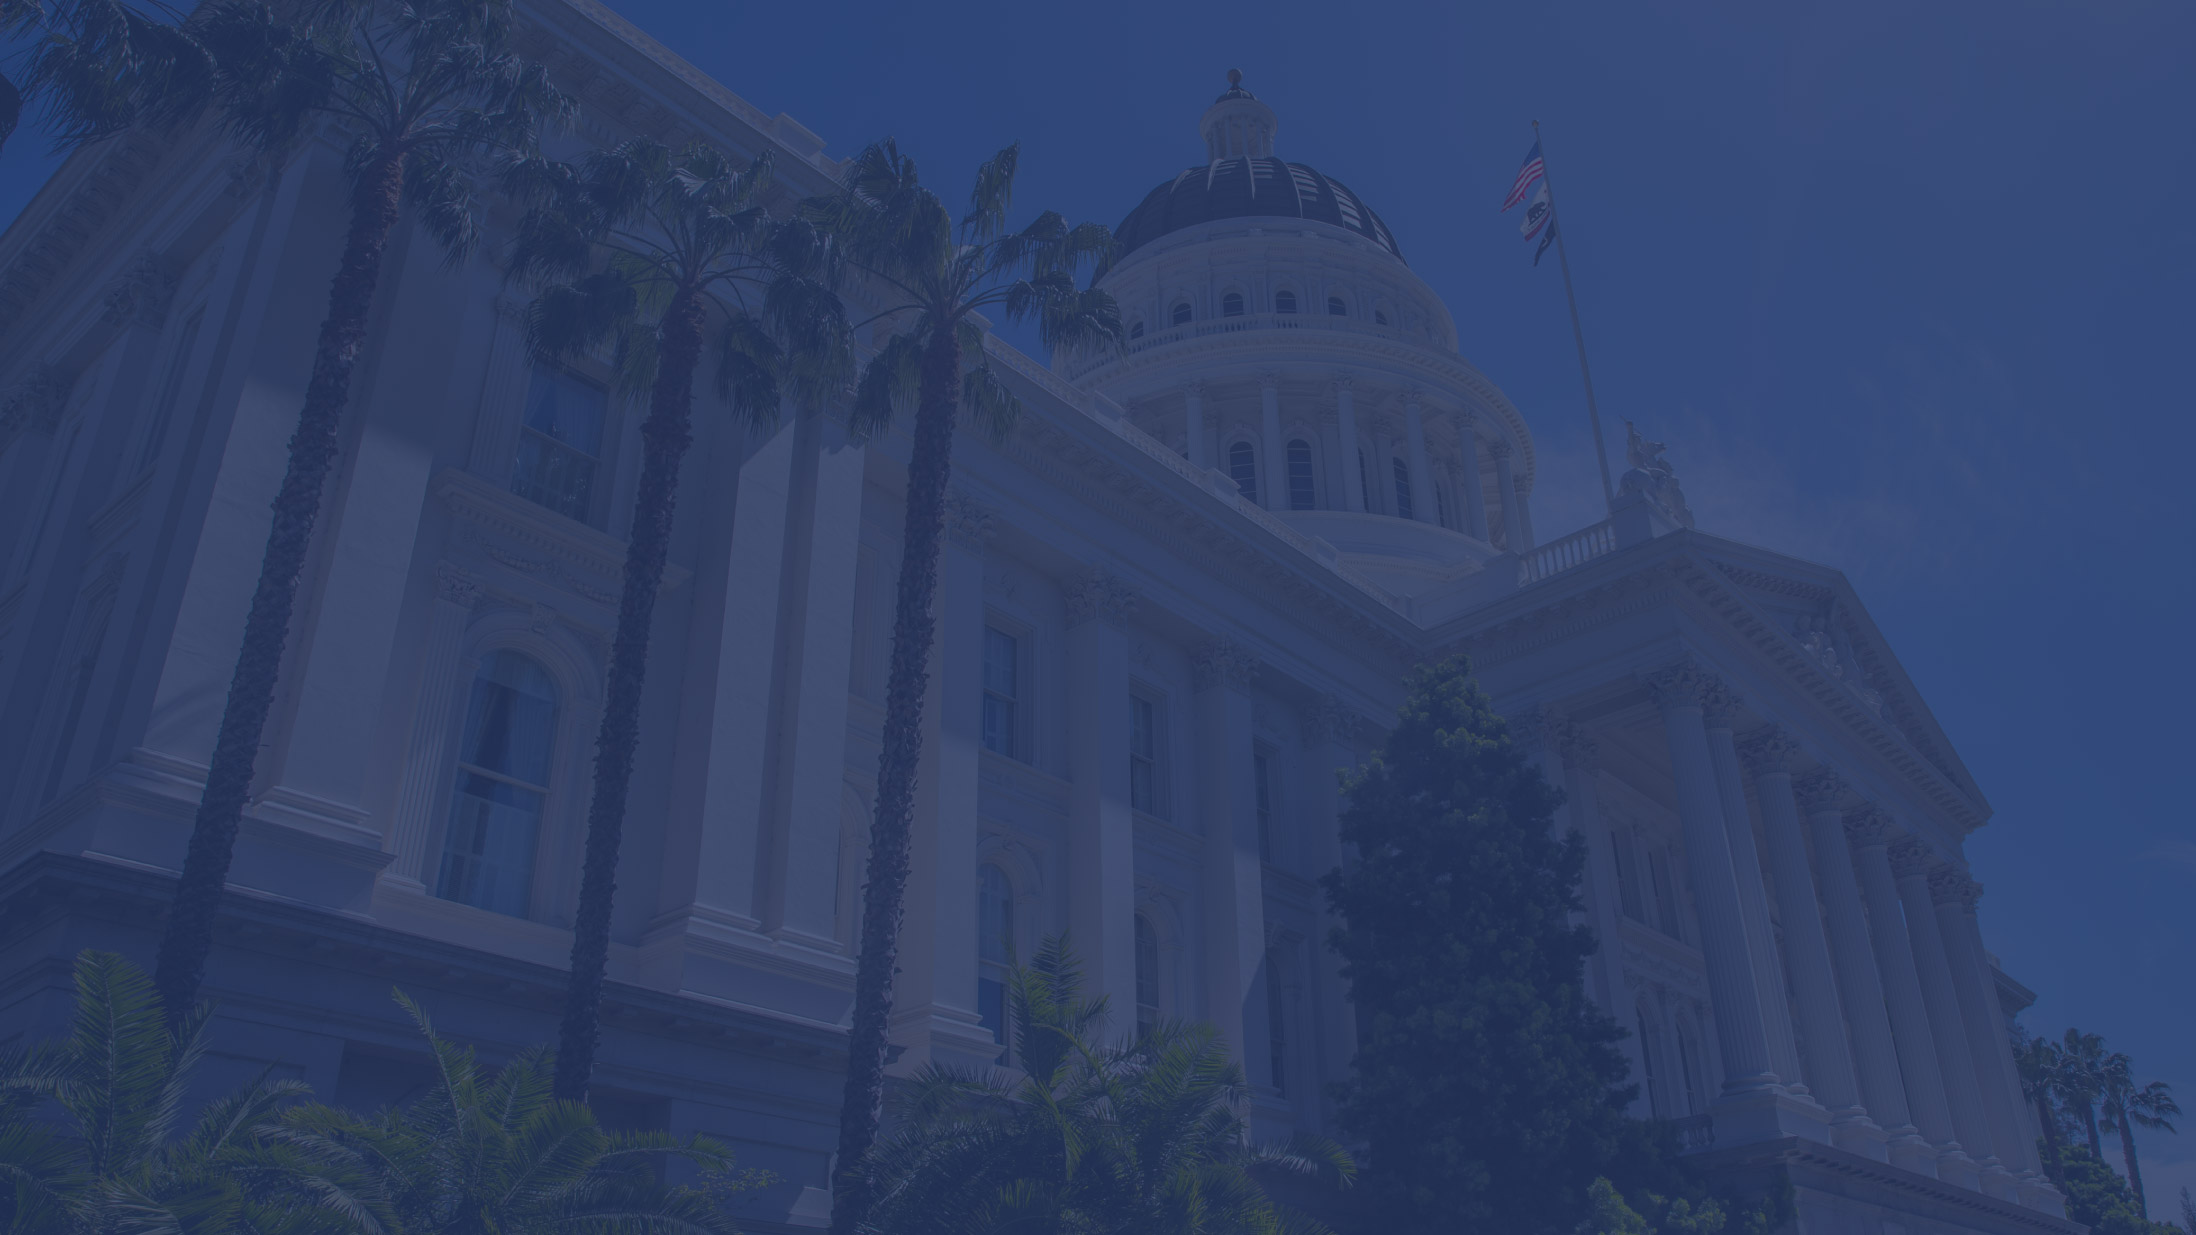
pixel 1651 476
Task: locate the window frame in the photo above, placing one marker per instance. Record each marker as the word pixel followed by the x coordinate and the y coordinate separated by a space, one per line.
pixel 1399 477
pixel 1153 761
pixel 539 889
pixel 1233 304
pixel 604 481
pixel 1309 476
pixel 1338 306
pixel 1241 450
pixel 1181 314
pixel 1284 301
pixel 1019 720
pixel 997 972
pixel 1148 1013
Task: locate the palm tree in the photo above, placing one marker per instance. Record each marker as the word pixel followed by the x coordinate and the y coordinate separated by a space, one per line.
pixel 651 250
pixel 417 85
pixel 1092 1136
pixel 116 1163
pixel 95 67
pixel 932 278
pixel 492 1151
pixel 2041 1065
pixel 2081 1081
pixel 2125 1107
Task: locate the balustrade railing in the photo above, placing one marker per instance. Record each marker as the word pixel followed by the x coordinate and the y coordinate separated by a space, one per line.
pixel 1086 362
pixel 1568 553
pixel 1695 1133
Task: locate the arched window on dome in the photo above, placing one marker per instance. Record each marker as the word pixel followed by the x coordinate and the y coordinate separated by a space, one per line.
pixel 1136 330
pixel 1284 301
pixel 994 948
pixel 1181 313
pixel 1364 481
pixel 1300 475
pixel 502 785
pixel 1441 505
pixel 1231 305
pixel 1380 317
pixel 1337 307
pixel 1243 470
pixel 1402 489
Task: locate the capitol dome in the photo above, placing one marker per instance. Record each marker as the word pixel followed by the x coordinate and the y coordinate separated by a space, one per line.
pixel 1278 343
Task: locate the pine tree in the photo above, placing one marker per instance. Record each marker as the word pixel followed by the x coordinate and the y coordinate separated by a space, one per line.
pixel 1487 1084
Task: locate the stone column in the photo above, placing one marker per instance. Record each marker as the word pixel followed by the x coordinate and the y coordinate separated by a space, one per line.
pixel 1953 894
pixel 816 671
pixel 1231 875
pixel 1101 825
pixel 1830 1072
pixel 1515 537
pixel 1426 504
pixel 1581 756
pixel 1327 728
pixel 440 700
pixel 1910 865
pixel 1200 456
pixel 2036 1190
pixel 1821 795
pixel 936 1019
pixel 1474 491
pixel 1345 419
pixel 1761 940
pixel 1273 489
pixel 1740 1036
pixel 1908 1010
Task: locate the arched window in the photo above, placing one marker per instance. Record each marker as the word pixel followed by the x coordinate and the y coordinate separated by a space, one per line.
pixel 1402 489
pixel 1231 305
pixel 1136 330
pixel 1300 475
pixel 1380 317
pixel 1182 313
pixel 1650 1045
pixel 1277 1023
pixel 1243 470
pixel 1364 481
pixel 994 947
pixel 1284 302
pixel 1147 977
pixel 1336 307
pixel 502 784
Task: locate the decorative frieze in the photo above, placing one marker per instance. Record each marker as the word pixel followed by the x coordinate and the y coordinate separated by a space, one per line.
pixel 1224 662
pixel 1719 704
pixel 1683 684
pixel 455 586
pixel 1910 857
pixel 1100 596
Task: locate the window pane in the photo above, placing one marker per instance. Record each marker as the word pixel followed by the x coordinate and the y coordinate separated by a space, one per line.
pixel 488 856
pixel 994 916
pixel 565 410
pixel 1142 740
pixel 1402 489
pixel 1181 314
pixel 560 446
pixel 991 1007
pixel 1243 470
pixel 1147 976
pixel 1284 302
pixel 511 723
pixel 1001 688
pixel 1231 305
pixel 1336 308
pixel 1658 863
pixel 1364 482
pixel 1300 475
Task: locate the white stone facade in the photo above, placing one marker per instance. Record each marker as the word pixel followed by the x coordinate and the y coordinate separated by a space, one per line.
pixel 1171 607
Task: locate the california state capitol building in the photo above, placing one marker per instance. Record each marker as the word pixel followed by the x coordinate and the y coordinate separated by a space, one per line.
pixel 1181 596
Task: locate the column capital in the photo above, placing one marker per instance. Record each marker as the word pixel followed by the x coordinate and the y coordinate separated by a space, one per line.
pixel 1868 826
pixel 1719 704
pixel 1101 596
pixel 969 523
pixel 1344 380
pixel 1499 448
pixel 1579 749
pixel 1821 791
pixel 1269 379
pixel 1949 885
pixel 1329 719
pixel 1224 662
pixel 1769 750
pixel 456 586
pixel 1680 684
pixel 1910 857
pixel 1465 420
pixel 1194 388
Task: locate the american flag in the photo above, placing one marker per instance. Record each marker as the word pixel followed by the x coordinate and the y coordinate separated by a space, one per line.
pixel 1527 176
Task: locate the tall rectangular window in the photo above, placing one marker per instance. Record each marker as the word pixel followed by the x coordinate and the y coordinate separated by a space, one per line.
pixel 1403 507
pixel 1262 796
pixel 1147 977
pixel 1143 755
pixel 1658 862
pixel 1002 689
pixel 1301 493
pixel 560 443
pixel 1620 846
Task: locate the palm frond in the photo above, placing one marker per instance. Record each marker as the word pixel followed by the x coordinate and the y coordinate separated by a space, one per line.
pixel 992 196
pixel 888 384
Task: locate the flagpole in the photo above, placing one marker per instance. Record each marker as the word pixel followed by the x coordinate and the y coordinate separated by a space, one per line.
pixel 1563 259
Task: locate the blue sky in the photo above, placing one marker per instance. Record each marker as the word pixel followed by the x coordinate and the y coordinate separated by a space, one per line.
pixel 1906 288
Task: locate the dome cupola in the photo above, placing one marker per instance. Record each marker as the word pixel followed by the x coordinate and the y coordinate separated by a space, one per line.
pixel 1237 125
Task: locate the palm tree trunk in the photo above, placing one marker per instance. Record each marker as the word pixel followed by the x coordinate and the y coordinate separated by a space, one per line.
pixel 914 628
pixel 375 200
pixel 2134 1171
pixel 665 436
pixel 2089 1121
pixel 2049 1122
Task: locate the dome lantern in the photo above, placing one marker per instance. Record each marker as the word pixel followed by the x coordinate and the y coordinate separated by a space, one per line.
pixel 1237 125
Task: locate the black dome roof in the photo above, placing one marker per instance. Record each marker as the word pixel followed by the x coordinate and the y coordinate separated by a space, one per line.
pixel 1249 189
